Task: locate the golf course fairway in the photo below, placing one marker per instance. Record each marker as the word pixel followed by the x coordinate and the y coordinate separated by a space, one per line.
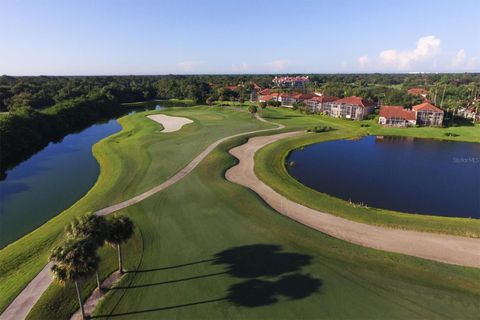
pixel 208 248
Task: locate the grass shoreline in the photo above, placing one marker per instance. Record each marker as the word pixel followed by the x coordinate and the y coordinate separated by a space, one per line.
pixel 122 175
pixel 239 219
pixel 270 168
pixel 28 259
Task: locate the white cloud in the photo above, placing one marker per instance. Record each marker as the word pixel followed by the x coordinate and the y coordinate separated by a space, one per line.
pixel 278 65
pixel 474 62
pixel 459 58
pixel 240 67
pixel 363 62
pixel 188 65
pixel 427 47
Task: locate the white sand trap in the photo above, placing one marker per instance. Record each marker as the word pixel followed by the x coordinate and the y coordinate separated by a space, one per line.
pixel 169 123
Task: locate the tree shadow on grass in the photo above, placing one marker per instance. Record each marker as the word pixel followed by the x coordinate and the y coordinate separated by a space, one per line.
pixel 169 281
pixel 268 274
pixel 259 292
pixel 259 261
pixel 172 267
pixel 178 306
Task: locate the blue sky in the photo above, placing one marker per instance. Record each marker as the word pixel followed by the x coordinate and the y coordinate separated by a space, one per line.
pixel 87 37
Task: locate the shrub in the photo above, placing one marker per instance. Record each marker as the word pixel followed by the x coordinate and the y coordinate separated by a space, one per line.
pixel 320 129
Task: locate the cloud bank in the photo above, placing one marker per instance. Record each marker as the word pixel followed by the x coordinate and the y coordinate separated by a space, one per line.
pixel 427 47
pixel 427 54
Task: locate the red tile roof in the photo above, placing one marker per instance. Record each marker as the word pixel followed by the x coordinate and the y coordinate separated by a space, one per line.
pixel 233 88
pixel 355 101
pixel 304 96
pixel 323 99
pixel 426 106
pixel 417 91
pixel 397 112
pixel 268 97
pixel 264 91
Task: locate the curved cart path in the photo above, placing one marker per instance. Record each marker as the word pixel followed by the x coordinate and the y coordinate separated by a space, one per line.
pixel 24 302
pixel 443 248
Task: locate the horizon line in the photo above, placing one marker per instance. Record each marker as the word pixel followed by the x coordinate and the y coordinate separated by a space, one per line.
pixel 238 74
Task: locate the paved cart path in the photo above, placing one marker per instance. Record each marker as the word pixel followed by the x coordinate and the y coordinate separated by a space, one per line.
pixel 449 249
pixel 438 247
pixel 24 302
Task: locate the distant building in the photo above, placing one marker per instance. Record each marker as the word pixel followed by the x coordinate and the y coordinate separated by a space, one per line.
pixel 428 115
pixel 471 111
pixel 256 87
pixel 288 99
pixel 269 97
pixel 233 88
pixel 424 114
pixel 418 92
pixel 315 103
pixel 291 82
pixel 353 107
pixel 396 116
pixel 264 92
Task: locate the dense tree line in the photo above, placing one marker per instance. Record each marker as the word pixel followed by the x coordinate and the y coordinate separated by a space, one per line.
pixel 37 110
pixel 25 130
pixel 41 92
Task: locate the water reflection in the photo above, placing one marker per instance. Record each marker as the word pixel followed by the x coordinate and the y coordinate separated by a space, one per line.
pixel 399 173
pixel 53 179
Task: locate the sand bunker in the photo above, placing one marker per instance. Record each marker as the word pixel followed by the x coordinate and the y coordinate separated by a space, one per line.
pixel 169 123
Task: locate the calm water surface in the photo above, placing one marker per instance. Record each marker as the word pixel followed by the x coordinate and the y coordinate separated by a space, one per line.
pixel 51 180
pixel 404 174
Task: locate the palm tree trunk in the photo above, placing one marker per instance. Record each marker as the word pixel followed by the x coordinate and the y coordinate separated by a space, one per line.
pixel 120 266
pixel 80 300
pixel 98 280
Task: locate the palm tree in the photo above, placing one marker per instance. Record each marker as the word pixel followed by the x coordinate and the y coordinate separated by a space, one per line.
pixel 73 261
pixel 90 227
pixel 120 229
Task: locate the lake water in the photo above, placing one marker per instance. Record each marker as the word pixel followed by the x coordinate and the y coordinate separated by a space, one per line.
pixel 52 180
pixel 422 176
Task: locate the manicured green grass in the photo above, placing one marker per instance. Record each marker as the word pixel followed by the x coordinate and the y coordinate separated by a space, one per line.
pixel 270 167
pixel 279 269
pixel 164 103
pixel 214 250
pixel 60 302
pixel 127 169
pixel 465 133
pixel 296 119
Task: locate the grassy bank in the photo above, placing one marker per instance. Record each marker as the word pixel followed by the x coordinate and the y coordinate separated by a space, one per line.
pixel 270 167
pixel 132 161
pixel 209 248
pixel 60 302
pixel 214 250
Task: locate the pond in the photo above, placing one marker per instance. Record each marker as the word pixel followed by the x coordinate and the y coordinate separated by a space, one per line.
pixel 411 175
pixel 52 180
